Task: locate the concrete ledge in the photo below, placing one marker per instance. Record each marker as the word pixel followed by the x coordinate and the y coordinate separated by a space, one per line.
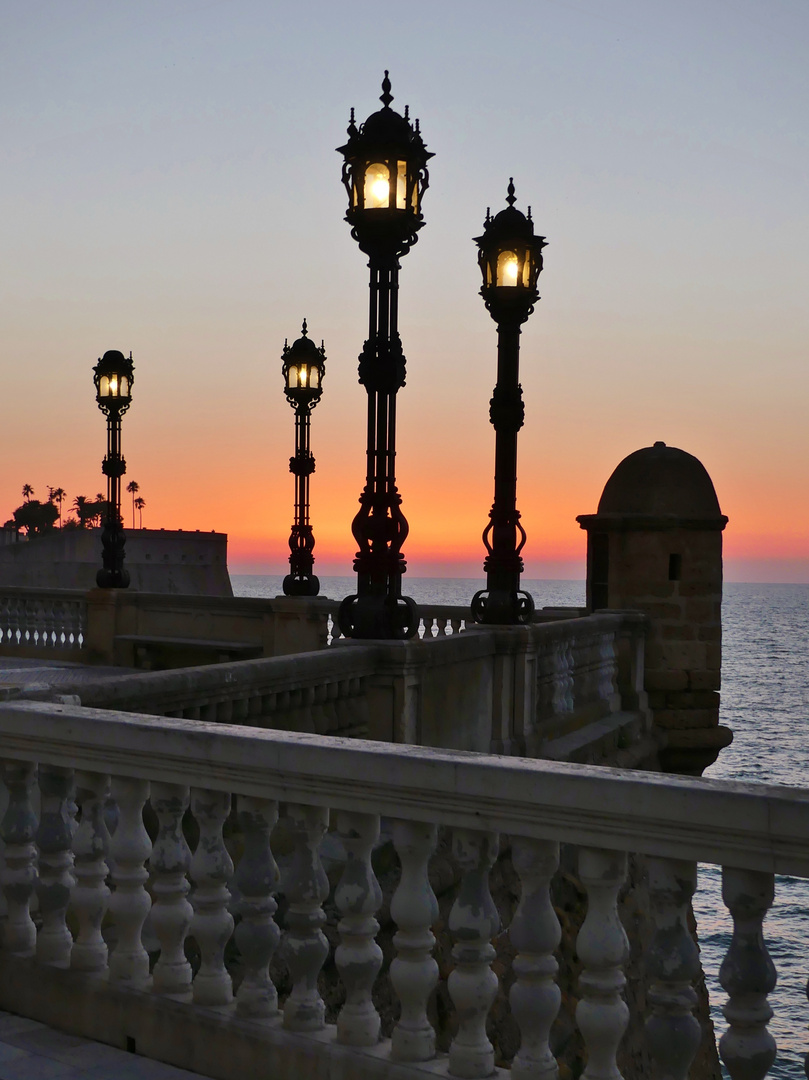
pixel 213 1042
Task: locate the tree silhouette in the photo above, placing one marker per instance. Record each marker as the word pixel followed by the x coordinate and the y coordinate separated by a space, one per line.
pixel 57 495
pixel 133 487
pixel 27 492
pixel 35 517
pixel 85 510
pixel 139 503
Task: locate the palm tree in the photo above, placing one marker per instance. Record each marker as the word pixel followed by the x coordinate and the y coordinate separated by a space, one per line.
pixel 133 487
pixel 27 492
pixel 80 505
pixel 57 495
pixel 139 503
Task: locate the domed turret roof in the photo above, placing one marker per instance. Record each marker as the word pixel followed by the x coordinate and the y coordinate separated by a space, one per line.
pixel 660 482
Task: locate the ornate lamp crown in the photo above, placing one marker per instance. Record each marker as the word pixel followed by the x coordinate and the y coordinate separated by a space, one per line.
pixel 113 376
pixel 510 260
pixel 303 370
pixel 385 176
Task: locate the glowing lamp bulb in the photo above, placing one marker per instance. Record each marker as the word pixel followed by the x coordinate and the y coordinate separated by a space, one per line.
pixel 302 372
pixel 114 386
pixel 380 189
pixel 510 272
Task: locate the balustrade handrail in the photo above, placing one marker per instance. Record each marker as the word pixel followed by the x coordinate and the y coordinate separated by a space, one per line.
pixel 750 826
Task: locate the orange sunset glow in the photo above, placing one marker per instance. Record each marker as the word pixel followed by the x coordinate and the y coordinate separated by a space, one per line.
pixel 195 216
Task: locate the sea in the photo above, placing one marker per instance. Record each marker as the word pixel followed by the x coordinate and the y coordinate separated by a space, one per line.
pixel 765 702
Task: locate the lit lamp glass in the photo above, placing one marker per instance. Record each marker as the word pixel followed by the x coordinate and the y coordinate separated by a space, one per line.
pixel 113 379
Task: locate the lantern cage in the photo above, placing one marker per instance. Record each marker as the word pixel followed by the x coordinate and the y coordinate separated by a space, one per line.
pixel 303 369
pixel 385 176
pixel 113 376
pixel 510 260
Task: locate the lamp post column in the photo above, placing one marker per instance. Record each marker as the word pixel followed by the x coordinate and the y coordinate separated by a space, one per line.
pixel 113 376
pixel 385 175
pixel 510 258
pixel 303 369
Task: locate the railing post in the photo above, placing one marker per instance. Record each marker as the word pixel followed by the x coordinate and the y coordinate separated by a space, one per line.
pixel 90 897
pixel 358 957
pixel 305 947
pixel 672 1031
pixel 212 924
pixel 257 935
pixel 54 839
pixel 171 911
pixel 748 975
pixel 602 945
pixel 535 933
pixel 414 972
pixel 130 904
pixel 19 828
pixel 472 984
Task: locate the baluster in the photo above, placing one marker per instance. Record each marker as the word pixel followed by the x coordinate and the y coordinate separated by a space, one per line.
pixel 473 922
pixel 90 897
pixel 535 933
pixel 442 627
pixel 414 972
pixel 672 1031
pixel 257 935
pixel 18 830
pixel 305 947
pixel 171 911
pixel 748 975
pixel 602 946
pixel 358 957
pixel 54 839
pixel 212 924
pixel 130 903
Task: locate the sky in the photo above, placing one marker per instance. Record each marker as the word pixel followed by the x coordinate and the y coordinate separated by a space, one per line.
pixel 169 185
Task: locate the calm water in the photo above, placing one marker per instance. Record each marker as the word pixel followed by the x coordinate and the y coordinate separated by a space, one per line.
pixel 765 701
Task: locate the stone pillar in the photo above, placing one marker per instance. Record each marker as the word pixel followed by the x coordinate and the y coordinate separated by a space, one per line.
pixel 655 545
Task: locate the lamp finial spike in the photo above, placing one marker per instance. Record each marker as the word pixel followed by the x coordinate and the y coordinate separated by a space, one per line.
pixel 488 216
pixel 386 97
pixel 511 198
pixel 303 328
pixel 529 214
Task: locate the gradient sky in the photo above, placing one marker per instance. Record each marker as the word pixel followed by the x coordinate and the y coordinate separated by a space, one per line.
pixel 169 185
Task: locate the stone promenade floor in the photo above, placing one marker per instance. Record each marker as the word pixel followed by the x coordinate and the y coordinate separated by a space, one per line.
pixel 31 1051
pixel 26 674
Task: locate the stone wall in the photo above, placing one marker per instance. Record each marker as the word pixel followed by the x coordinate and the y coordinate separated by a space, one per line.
pixel 158 560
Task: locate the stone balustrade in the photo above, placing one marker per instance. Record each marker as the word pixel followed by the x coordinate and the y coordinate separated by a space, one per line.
pixel 43 622
pixel 84 964
pixel 435 620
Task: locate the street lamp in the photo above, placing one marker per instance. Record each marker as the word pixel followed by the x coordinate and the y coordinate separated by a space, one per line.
pixel 113 378
pixel 510 259
pixel 385 176
pixel 303 367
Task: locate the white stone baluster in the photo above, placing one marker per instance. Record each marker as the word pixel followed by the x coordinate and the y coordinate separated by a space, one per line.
pixel 212 924
pixel 473 922
pixel 171 911
pixel 602 945
pixel 535 933
pixel 19 877
pixel 748 975
pixel 90 897
pixel 414 972
pixel 54 840
pixel 130 903
pixel 672 1031
pixel 257 935
pixel 358 957
pixel 305 947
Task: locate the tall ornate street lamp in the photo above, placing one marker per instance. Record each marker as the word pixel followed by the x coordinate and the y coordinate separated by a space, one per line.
pixel 385 176
pixel 113 378
pixel 510 259
pixel 303 367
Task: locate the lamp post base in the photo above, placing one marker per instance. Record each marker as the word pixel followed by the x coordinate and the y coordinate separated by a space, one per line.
pixel 301 585
pixel 378 617
pixel 500 607
pixel 112 579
